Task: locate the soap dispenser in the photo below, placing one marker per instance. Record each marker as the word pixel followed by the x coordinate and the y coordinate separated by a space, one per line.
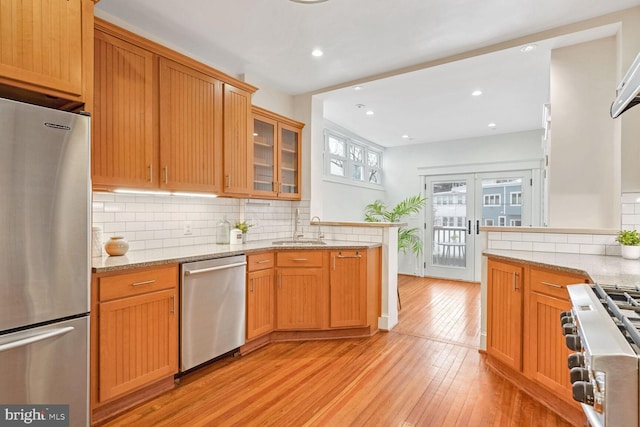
pixel 222 232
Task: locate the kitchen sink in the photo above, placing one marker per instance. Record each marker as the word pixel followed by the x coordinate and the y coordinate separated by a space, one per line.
pixel 301 242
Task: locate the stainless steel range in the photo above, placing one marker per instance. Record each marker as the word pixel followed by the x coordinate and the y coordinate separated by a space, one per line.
pixel 602 329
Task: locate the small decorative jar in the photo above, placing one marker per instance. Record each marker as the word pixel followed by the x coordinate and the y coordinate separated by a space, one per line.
pixel 116 246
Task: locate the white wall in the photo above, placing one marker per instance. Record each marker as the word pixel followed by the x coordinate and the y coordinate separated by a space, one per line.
pixel 584 162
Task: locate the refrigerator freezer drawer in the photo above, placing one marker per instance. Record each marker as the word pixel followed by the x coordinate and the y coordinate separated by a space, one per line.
pixel 48 365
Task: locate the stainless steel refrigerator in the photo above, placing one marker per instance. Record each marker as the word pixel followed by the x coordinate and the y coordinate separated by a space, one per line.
pixel 44 258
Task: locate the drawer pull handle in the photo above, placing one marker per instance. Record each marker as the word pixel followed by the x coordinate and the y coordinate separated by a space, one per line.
pixel 264 261
pixel 299 259
pixel 146 282
pixel 357 255
pixel 553 285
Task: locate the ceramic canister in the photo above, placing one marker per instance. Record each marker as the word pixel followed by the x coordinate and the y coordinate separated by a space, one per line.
pixel 116 246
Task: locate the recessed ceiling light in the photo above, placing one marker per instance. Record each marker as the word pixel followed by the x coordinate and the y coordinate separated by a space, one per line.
pixel 369 113
pixel 317 52
pixel 476 92
pixel 528 48
pixel 357 88
pixel 360 105
pixel 405 136
pixel 492 125
pixel 255 134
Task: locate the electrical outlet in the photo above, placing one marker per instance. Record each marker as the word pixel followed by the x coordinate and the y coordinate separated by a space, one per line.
pixel 187 228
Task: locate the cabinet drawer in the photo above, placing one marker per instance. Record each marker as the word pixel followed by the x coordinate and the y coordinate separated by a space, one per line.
pixel 300 259
pixel 139 282
pixel 554 283
pixel 260 261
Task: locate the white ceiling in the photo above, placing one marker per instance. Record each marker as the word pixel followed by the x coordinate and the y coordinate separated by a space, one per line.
pixel 273 39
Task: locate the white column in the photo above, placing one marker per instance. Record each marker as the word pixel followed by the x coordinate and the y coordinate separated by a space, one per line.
pixel 389 316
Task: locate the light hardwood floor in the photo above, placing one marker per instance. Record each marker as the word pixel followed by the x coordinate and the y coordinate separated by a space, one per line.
pixel 427 371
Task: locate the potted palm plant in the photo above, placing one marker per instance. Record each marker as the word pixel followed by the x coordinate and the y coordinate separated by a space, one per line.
pixel 408 238
pixel 630 241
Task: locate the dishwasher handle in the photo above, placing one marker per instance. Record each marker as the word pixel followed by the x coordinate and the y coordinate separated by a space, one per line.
pixel 220 267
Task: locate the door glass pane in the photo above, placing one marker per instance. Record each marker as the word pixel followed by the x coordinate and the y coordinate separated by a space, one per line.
pixel 263 159
pixel 449 217
pixel 502 202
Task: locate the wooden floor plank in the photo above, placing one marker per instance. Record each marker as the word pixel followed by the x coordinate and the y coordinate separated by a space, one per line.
pixel 427 371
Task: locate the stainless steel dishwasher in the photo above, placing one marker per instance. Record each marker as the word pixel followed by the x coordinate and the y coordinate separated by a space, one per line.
pixel 212 316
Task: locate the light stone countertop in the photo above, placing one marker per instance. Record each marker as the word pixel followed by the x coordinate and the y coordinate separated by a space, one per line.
pixel 608 270
pixel 180 254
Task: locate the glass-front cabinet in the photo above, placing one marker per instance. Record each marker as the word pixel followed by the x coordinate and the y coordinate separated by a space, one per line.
pixel 276 155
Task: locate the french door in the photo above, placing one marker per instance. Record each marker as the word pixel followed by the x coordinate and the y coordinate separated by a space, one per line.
pixel 458 205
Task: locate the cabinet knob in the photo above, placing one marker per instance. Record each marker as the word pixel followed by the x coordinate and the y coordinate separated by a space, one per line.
pixel 575 360
pixel 583 392
pixel 573 342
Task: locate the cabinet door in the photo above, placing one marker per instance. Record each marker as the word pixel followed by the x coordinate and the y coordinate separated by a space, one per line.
pixel 42 44
pixel 348 289
pixel 190 129
pixel 504 313
pixel 546 353
pixel 238 150
pixel 138 342
pixel 264 155
pixel 288 162
pixel 260 303
pixel 124 150
pixel 300 298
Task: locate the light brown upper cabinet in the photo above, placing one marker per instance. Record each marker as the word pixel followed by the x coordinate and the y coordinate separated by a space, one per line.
pixel 124 149
pixel 161 118
pixel 276 155
pixel 47 49
pixel 237 149
pixel 190 129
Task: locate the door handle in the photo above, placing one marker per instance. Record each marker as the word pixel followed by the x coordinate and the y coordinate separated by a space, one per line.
pixel 220 267
pixel 469 227
pixel 477 226
pixel 166 174
pixel 515 281
pixel 40 337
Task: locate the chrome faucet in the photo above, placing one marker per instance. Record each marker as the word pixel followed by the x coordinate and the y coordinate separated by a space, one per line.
pixel 296 234
pixel 319 234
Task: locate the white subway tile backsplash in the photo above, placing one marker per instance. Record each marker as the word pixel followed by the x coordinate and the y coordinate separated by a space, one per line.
pixel 532 237
pixel 522 246
pixel 544 247
pixel 582 239
pixel 555 238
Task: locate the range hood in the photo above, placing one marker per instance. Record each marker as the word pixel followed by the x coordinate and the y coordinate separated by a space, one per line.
pixel 628 91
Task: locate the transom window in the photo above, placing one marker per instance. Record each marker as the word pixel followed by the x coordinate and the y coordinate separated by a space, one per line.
pixel 352 160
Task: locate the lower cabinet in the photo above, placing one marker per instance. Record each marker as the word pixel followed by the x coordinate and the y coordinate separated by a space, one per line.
pixel 260 294
pixel 504 312
pixel 312 294
pixel 348 288
pixel 523 329
pixel 134 336
pixel 545 351
pixel 301 290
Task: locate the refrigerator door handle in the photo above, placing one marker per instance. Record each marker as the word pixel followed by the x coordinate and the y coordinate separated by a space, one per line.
pixel 40 337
